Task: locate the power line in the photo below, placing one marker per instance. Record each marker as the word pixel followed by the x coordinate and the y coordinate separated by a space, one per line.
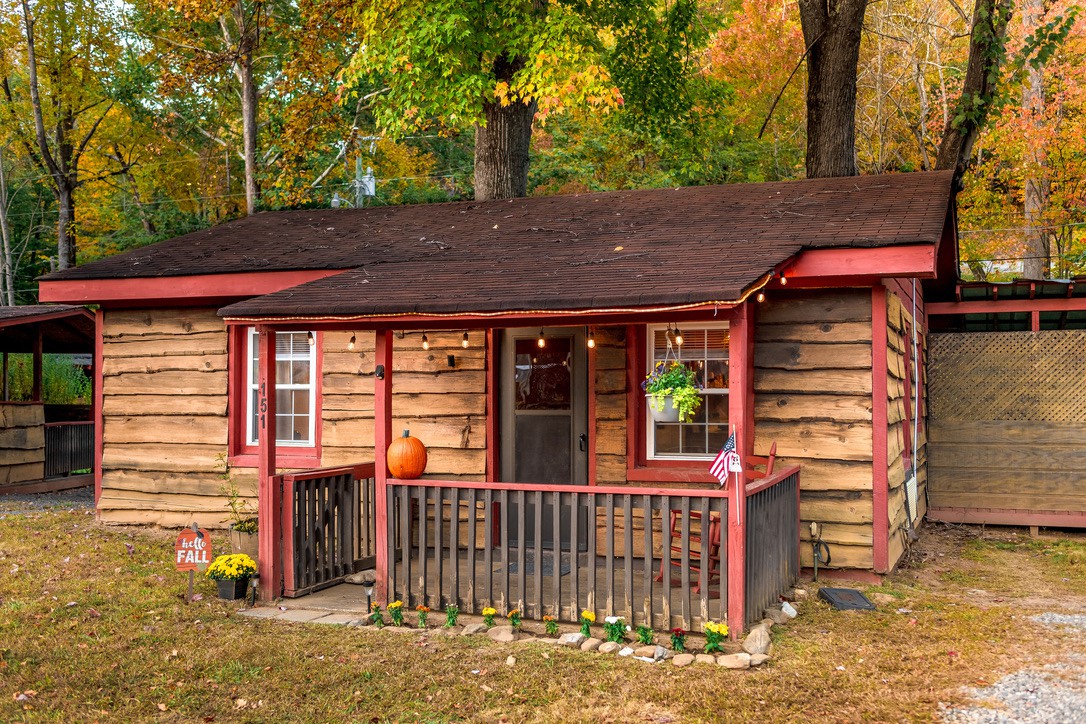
pixel 1021 228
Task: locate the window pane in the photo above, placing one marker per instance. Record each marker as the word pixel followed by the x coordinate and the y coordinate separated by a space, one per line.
pixel 301 401
pixel 282 372
pixel 301 427
pixel 543 379
pixel 667 438
pixel 693 440
pixel 283 405
pixel 282 428
pixel 300 372
pixel 716 374
pixel 253 421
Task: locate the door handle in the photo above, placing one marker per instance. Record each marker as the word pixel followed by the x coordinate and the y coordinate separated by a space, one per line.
pixel 583 442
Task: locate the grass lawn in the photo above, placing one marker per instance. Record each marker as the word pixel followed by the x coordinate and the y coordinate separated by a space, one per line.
pixel 93 626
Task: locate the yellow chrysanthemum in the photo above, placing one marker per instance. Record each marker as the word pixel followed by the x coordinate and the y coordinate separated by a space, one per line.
pixel 395 605
pixel 588 616
pixel 488 611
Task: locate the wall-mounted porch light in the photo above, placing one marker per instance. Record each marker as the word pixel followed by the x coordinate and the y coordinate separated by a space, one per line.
pixel 464 341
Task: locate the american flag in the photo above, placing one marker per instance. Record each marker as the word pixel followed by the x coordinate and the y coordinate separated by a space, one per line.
pixel 726 462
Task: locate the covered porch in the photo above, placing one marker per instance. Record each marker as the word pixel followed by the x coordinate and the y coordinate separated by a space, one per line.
pixel 669 547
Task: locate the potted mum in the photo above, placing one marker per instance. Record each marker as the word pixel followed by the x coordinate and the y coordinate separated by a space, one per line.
pixel 231 574
pixel 672 391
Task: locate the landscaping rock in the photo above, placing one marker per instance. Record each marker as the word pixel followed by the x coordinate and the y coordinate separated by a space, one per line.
pixel 572 640
pixel 591 645
pixel 609 647
pixel 776 615
pixel 789 610
pixel 359 578
pixel 502 634
pixel 473 628
pixel 683 660
pixel 798 594
pixel 649 652
pixel 759 659
pixel 511 661
pixel 625 651
pixel 705 659
pixel 734 661
pixel 757 641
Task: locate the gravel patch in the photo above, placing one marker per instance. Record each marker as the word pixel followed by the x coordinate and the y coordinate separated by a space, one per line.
pixel 20 504
pixel 1052 694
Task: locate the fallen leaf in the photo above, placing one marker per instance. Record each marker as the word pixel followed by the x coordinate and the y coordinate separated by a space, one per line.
pixel 241 704
pixel 162 707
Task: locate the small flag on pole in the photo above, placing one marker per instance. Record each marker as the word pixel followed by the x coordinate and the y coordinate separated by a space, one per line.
pixel 726 462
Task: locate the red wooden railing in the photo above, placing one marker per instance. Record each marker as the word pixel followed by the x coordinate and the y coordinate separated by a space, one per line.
pixel 328 524
pixel 772 540
pixel 69 447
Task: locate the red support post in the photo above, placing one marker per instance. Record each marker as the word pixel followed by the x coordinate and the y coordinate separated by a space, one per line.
pixel 880 486
pixel 382 437
pixel 269 502
pixel 741 415
pixel 492 366
pixel 99 417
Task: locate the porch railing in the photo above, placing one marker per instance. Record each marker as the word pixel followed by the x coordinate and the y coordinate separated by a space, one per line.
pixel 328 526
pixel 69 447
pixel 557 550
pixel 772 540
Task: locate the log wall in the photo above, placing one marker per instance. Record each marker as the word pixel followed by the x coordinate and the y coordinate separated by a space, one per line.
pixel 610 391
pixel 901 389
pixel 165 397
pixel 812 382
pixel 22 443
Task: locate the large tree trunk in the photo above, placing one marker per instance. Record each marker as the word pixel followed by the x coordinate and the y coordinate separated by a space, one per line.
pixel 502 142
pixel 832 31
pixel 65 221
pixel 249 131
pixel 7 260
pixel 1037 260
pixel 987 50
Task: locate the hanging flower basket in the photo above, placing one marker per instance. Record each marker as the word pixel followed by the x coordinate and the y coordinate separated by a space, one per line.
pixel 667 412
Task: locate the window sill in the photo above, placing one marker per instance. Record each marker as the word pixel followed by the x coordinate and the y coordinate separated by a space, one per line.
pixel 284 458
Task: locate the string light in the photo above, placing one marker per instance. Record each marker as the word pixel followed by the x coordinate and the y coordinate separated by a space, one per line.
pixel 591 340
pixel 761 296
pixel 350 345
pixel 784 279
pixel 425 343
pixel 678 337
pixel 464 341
pixel 310 338
pixel 541 342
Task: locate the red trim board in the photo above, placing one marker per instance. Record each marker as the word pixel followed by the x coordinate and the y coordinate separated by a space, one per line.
pixel 1005 306
pixel 382 434
pixel 99 417
pixel 879 474
pixel 270 565
pixel 915 260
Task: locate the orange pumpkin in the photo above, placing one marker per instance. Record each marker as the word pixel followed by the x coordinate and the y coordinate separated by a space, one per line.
pixel 406 457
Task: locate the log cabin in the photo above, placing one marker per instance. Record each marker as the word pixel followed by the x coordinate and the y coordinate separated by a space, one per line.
pixel 512 337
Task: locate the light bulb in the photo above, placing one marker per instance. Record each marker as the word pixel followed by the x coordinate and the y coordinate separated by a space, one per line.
pixel 591 341
pixel 542 342
pixel 464 342
pixel 761 296
pixel 310 338
pixel 350 345
pixel 425 342
pixel 784 279
pixel 678 337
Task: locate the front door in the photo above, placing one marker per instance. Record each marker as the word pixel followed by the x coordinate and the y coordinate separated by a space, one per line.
pixel 544 415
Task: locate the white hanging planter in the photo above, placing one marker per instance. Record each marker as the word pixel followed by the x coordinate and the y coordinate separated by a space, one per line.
pixel 666 412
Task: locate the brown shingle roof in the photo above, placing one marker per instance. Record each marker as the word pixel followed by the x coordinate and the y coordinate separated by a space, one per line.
pixel 856 211
pixel 617 249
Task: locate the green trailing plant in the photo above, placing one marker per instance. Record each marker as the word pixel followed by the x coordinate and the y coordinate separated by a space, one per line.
pixel 677 381
pixel 678 640
pixel 644 635
pixel 452 613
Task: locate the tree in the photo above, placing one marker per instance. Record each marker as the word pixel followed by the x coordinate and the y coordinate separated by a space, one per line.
pixel 65 97
pixel 832 32
pixel 7 259
pixel 494 66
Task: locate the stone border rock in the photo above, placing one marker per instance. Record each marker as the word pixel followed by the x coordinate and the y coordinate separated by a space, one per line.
pixel 755 649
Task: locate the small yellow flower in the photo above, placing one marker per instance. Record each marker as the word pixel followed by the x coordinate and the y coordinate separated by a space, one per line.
pixel 588 616
pixel 488 611
pixel 395 605
pixel 514 612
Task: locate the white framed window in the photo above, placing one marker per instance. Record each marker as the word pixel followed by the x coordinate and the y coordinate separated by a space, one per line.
pixel 295 393
pixel 704 349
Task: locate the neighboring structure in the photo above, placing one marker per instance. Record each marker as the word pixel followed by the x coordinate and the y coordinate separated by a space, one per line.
pixel 43 447
pixel 451 300
pixel 1007 389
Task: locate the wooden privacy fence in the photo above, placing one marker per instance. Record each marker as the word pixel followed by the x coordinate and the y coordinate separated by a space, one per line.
pixel 329 526
pixel 69 447
pixel 772 540
pixel 654 556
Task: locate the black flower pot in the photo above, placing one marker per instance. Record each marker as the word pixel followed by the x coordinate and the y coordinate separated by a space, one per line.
pixel 232 590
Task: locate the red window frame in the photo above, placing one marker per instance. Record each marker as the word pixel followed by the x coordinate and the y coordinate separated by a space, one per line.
pixel 240 452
